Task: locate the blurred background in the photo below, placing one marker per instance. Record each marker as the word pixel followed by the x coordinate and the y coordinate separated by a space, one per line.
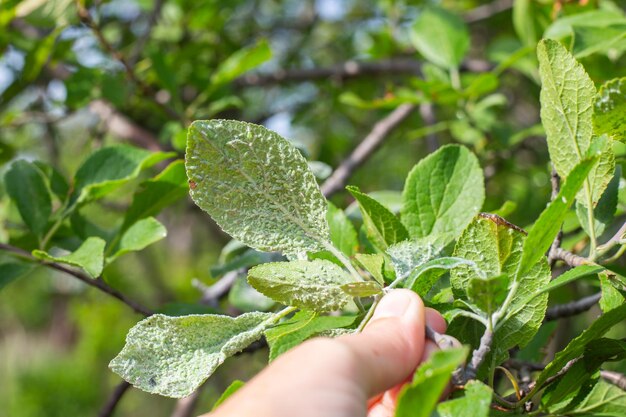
pixel 77 76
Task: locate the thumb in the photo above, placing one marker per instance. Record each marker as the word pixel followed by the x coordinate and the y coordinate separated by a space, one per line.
pixel 391 345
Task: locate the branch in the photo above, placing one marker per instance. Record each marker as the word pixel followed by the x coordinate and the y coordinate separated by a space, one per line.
pixel 211 294
pixel 348 70
pixel 487 10
pixel 428 116
pixel 555 180
pixel 117 394
pixel 97 283
pixel 145 89
pixel 185 406
pixel 364 150
pixel 614 378
pixel 571 309
pixel 568 257
pixel 138 48
pixel 343 71
pixel 120 125
pixel 478 356
pixel 614 240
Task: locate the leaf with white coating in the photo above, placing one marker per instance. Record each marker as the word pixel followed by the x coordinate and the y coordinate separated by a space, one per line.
pixel 172 356
pixel 256 186
pixel 311 285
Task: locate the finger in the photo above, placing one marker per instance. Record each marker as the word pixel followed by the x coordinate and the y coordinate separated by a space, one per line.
pixel 435 320
pixel 391 345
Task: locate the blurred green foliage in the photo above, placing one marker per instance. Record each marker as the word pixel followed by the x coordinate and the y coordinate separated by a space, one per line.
pixel 79 76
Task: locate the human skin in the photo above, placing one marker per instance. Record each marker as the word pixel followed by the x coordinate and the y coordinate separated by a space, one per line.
pixel 355 375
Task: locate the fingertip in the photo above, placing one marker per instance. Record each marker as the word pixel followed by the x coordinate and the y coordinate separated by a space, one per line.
pixel 435 320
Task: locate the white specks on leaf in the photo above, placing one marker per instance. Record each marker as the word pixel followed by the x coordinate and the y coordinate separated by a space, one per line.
pixel 172 356
pixel 256 186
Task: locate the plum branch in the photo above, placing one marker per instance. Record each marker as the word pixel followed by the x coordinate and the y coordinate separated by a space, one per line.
pixel 96 283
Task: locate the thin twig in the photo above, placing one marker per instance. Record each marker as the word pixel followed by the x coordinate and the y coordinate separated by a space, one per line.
pixel 614 240
pixel 573 308
pixel 121 126
pixel 343 71
pixel 569 258
pixel 145 89
pixel 614 378
pixel 97 282
pixel 487 10
pixel 348 70
pixel 185 406
pixel 478 356
pixel 141 42
pixel 428 117
pixel 364 150
pixel 211 294
pixel 117 394
pixel 555 181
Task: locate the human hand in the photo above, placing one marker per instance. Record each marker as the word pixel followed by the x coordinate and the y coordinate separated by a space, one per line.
pixel 350 376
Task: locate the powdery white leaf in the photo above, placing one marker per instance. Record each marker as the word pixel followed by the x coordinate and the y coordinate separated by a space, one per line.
pixel 408 255
pixel 256 186
pixel 172 356
pixel 609 109
pixel 311 285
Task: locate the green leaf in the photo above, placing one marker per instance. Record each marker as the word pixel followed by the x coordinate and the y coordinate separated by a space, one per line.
pixel 26 186
pixel 382 227
pixel 488 293
pixel 495 246
pixel 247 259
pixel 567 96
pixel 374 264
pixel 89 256
pixel 443 193
pixel 157 193
pixel 570 276
pixel 575 385
pixel 475 403
pixel 441 37
pixel 362 289
pixel 245 298
pixel 232 388
pixel 299 328
pixel 609 109
pixel 172 356
pixel 564 26
pixel 140 235
pixel 576 347
pixel 420 397
pixel 612 297
pixel 423 277
pixel 256 186
pixel 604 211
pixel 595 40
pixel 310 285
pixel 550 220
pixel 342 232
pixel 11 271
pixel 108 168
pixel 604 400
pixel 524 14
pixel 241 61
